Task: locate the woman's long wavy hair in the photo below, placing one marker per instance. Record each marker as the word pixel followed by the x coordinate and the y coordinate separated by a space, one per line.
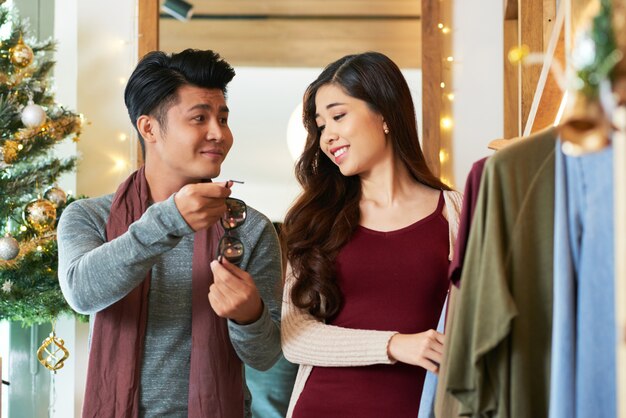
pixel 326 213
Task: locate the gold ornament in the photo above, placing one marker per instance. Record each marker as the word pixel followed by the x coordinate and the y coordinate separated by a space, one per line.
pixel 52 353
pixel 41 215
pixel 10 151
pixel 21 55
pixel 55 195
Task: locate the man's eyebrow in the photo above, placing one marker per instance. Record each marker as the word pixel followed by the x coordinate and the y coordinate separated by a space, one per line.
pixel 206 106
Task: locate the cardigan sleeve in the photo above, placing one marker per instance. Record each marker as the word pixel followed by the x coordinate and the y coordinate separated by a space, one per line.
pixel 454 203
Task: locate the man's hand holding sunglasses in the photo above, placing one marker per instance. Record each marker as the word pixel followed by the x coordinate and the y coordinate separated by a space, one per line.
pixel 234 294
pixel 202 204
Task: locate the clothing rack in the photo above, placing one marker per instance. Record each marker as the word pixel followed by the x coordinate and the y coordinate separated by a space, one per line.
pixel 569 12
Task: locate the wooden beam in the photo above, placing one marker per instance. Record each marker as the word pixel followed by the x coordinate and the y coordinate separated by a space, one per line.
pixel 380 8
pixel 147 39
pixel 510 10
pixel 148 26
pixel 297 42
pixel 512 125
pixel 431 90
pixel 578 11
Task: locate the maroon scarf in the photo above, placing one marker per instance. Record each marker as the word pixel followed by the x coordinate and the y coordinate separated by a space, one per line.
pixel 117 341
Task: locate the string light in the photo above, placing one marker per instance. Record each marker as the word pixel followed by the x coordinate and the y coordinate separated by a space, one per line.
pixel 445 181
pixel 446 123
pixel 119 164
pixel 122 137
pixel 518 53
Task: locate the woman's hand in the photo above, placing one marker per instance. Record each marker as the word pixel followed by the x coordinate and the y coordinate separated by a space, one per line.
pixel 424 349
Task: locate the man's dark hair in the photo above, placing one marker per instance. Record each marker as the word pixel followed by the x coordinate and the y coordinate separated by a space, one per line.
pixel 153 86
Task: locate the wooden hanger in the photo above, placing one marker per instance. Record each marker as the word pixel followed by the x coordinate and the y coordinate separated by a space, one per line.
pixel 498 144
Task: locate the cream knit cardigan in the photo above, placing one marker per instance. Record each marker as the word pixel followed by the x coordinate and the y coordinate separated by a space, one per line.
pixel 310 343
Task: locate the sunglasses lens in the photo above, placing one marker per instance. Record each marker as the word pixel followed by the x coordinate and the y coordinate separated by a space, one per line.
pixel 231 249
pixel 235 214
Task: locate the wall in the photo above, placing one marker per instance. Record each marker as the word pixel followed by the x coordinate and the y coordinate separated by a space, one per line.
pixel 106 44
pixel 478 83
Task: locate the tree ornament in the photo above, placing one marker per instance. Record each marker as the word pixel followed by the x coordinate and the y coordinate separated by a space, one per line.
pixel 41 215
pixel 9 247
pixel 9 151
pixel 52 352
pixel 55 195
pixel 33 115
pixel 7 286
pixel 21 55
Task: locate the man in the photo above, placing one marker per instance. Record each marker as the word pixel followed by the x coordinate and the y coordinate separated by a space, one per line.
pixel 142 261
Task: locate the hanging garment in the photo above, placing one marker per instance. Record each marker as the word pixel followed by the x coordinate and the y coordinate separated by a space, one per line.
pixel 499 354
pixel 470 197
pixel 583 382
pixel 444 404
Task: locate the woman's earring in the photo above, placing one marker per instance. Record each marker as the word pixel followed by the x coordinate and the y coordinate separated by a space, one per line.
pixel 386 130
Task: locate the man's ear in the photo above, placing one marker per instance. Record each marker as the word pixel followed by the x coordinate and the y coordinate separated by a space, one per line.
pixel 147 127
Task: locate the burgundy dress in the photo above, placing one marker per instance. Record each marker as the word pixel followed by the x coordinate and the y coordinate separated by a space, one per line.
pixel 395 281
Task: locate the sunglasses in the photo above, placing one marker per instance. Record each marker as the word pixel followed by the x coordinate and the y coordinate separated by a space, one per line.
pixel 230 247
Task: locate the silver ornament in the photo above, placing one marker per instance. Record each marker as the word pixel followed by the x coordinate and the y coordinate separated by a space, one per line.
pixel 9 247
pixel 33 115
pixel 56 195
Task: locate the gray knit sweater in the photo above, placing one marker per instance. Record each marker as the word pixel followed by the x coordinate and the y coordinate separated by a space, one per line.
pixel 94 274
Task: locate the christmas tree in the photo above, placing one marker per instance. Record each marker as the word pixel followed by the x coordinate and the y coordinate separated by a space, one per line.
pixel 31 124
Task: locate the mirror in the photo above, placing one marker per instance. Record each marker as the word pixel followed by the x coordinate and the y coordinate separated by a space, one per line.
pixel 277 48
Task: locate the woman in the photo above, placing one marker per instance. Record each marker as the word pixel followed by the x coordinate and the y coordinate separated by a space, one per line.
pixel 368 244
